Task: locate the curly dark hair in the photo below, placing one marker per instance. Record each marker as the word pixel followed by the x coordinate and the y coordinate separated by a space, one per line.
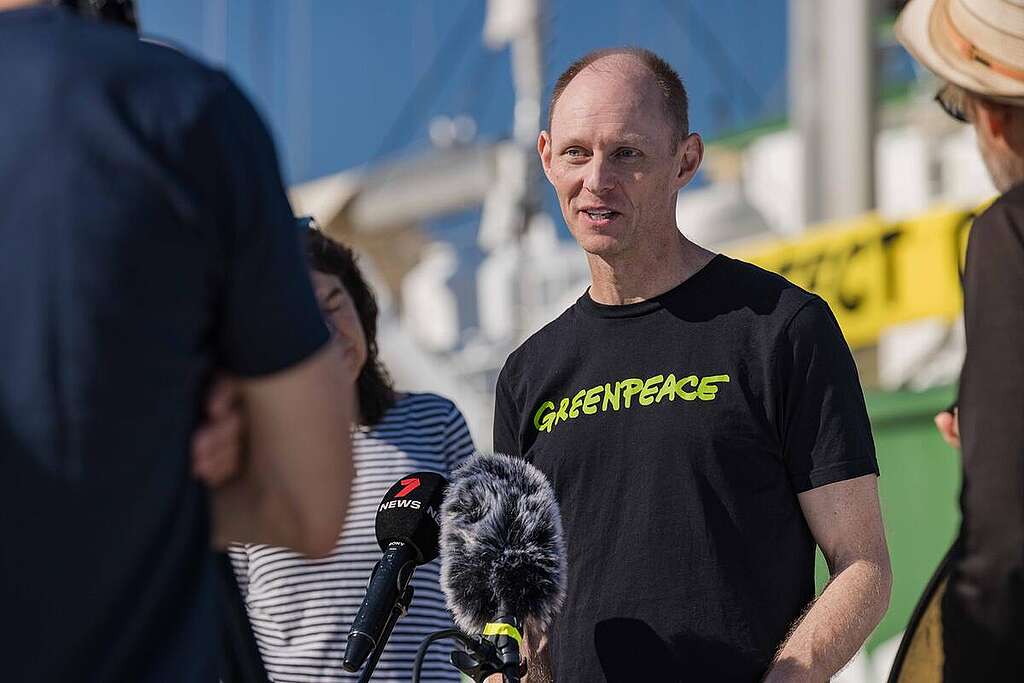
pixel 376 393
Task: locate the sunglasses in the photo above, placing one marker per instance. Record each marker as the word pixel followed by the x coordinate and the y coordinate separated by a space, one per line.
pixel 953 102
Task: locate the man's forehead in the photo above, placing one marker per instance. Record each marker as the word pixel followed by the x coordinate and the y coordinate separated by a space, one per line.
pixel 627 130
pixel 623 63
pixel 619 102
pixel 623 74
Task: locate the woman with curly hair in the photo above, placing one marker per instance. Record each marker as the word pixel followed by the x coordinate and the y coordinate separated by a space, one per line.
pixel 301 609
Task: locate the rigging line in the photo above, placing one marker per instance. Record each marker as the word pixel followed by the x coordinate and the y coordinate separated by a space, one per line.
pixel 475 96
pixel 722 63
pixel 416 105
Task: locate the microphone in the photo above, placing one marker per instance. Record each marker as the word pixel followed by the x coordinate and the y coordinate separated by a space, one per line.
pixel 503 560
pixel 407 529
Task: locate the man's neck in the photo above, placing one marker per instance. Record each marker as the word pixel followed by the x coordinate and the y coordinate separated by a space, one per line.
pixel 17 4
pixel 660 266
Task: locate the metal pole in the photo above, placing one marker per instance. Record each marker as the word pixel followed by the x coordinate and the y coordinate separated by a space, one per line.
pixel 832 104
pixel 804 84
pixel 848 106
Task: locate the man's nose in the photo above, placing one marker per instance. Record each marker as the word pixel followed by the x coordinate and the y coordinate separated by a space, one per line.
pixel 599 178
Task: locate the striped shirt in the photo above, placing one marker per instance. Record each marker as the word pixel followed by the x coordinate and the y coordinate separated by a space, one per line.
pixel 301 609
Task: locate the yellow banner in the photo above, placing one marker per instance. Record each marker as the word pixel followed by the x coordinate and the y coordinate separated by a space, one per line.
pixel 873 273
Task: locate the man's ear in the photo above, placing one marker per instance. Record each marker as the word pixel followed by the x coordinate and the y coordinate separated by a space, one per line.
pixel 994 119
pixel 544 151
pixel 691 154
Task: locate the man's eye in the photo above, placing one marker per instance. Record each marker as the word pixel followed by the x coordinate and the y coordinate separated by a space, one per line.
pixel 574 152
pixel 628 153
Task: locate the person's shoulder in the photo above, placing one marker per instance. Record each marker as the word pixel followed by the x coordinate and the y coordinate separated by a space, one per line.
pixel 547 337
pixel 101 47
pixel 164 58
pixel 1003 219
pixel 135 71
pixel 1011 199
pixel 186 85
pixel 423 405
pixel 763 292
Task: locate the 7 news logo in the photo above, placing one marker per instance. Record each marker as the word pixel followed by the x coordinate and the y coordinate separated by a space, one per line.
pixel 408 486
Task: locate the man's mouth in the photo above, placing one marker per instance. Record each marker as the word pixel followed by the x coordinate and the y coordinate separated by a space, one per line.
pixel 599 215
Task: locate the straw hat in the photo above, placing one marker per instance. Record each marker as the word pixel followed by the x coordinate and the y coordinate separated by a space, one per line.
pixel 976 44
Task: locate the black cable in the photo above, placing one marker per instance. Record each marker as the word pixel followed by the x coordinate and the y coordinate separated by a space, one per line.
pixel 455 43
pixel 421 653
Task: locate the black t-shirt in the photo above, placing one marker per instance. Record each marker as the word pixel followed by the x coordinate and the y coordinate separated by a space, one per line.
pixel 677 433
pixel 145 239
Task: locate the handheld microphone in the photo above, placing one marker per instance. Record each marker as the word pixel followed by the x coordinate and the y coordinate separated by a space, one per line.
pixel 503 559
pixel 407 529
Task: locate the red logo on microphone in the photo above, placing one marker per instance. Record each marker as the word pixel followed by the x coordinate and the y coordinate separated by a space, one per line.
pixel 410 485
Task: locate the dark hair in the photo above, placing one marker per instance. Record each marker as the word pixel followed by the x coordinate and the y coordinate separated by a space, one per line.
pixel 117 11
pixel 665 77
pixel 376 394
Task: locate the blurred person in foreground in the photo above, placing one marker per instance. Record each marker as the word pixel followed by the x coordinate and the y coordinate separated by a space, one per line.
pixel 301 610
pixel 701 421
pixel 977 48
pixel 146 244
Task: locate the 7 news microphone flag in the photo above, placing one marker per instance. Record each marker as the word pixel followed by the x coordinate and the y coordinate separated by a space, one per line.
pixel 408 531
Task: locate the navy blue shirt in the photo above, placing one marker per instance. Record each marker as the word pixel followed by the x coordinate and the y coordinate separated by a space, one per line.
pixel 145 240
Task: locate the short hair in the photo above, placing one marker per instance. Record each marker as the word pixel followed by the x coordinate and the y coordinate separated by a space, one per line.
pixel 374 387
pixel 674 99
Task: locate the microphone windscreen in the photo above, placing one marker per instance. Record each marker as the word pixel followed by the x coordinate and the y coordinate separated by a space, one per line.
pixel 410 512
pixel 502 552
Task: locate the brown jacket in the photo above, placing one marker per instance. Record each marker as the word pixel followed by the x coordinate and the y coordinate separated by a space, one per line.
pixel 983 608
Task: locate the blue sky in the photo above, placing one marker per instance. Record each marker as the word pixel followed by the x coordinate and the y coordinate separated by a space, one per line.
pixel 335 78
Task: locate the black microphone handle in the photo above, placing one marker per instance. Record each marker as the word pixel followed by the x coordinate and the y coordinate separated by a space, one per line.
pixel 401 607
pixel 387 584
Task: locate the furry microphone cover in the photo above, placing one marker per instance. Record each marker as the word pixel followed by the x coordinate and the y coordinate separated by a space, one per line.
pixel 502 552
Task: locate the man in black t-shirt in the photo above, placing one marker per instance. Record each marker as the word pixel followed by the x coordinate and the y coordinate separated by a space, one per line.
pixel 700 419
pixel 145 241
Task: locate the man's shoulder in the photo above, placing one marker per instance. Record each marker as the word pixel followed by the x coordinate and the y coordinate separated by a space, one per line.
pixel 97 46
pixel 761 292
pixel 1004 215
pixel 1014 197
pixel 86 55
pixel 548 337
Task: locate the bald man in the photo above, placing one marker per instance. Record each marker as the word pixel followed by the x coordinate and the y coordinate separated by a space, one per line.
pixel 700 419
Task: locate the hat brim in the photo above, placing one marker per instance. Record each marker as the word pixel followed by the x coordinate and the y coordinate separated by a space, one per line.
pixel 919 28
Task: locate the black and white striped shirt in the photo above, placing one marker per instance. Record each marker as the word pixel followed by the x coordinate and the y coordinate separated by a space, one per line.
pixel 301 609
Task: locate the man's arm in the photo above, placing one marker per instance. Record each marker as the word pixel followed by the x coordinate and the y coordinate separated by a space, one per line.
pixel 217 442
pixel 292 489
pixel 538 657
pixel 537 654
pixel 846 521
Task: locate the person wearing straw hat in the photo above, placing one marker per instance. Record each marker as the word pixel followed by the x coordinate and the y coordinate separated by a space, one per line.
pixel 977 48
